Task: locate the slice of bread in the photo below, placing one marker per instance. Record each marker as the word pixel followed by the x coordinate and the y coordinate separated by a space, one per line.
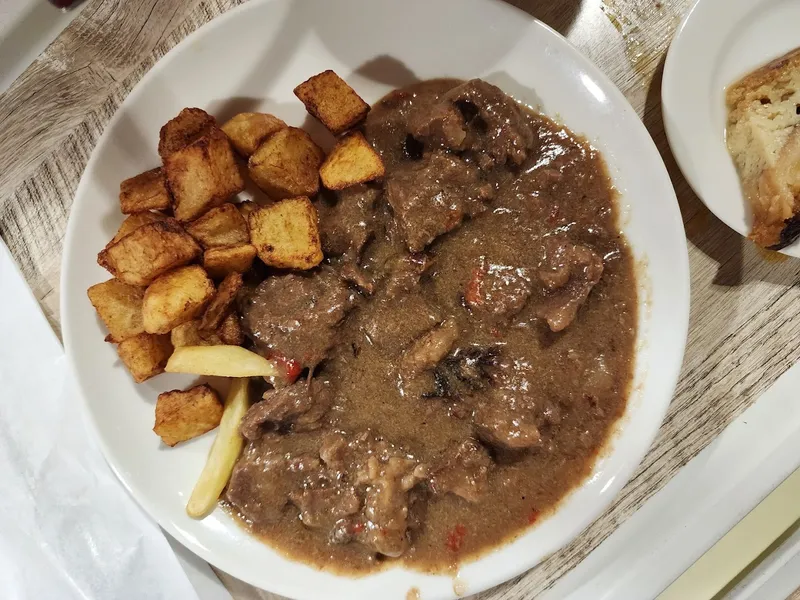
pixel 763 137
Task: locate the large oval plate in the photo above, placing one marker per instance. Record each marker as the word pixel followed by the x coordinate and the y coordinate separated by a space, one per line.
pixel 251 58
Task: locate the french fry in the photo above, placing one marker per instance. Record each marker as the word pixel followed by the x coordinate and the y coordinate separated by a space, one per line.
pixel 220 361
pixel 223 455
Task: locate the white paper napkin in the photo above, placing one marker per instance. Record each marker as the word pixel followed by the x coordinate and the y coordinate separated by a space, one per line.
pixel 67 527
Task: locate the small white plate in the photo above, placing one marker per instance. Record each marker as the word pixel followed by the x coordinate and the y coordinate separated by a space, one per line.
pixel 718 43
pixel 250 59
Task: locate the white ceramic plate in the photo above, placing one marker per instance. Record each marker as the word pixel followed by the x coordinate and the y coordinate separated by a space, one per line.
pixel 718 43
pixel 251 58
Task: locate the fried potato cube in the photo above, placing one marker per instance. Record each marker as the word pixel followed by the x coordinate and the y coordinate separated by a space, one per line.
pixel 220 261
pixel 145 355
pixel 133 222
pixel 247 130
pixel 119 306
pixel 176 297
pixel 145 191
pixel 221 226
pixel 328 97
pixel 287 164
pixel 222 302
pixel 286 234
pixel 353 160
pixel 231 332
pixel 148 251
pixel 202 175
pixel 189 334
pixel 181 416
pixel 189 126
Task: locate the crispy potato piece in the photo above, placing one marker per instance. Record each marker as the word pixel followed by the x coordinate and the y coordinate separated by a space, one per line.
pixel 189 126
pixel 220 361
pixel 287 164
pixel 119 306
pixel 146 191
pixel 202 175
pixel 145 355
pixel 221 304
pixel 328 97
pixel 286 234
pixel 247 130
pixel 135 221
pixel 352 161
pixel 147 252
pixel 224 452
pixel 176 297
pixel 189 334
pixel 221 226
pixel 231 332
pixel 181 416
pixel 218 262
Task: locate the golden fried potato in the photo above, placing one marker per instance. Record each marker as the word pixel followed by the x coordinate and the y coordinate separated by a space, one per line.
pixel 223 454
pixel 328 97
pixel 202 175
pixel 220 361
pixel 247 130
pixel 146 191
pixel 286 234
pixel 222 303
pixel 119 306
pixel 176 297
pixel 148 251
pixel 231 332
pixel 352 161
pixel 145 355
pixel 189 126
pixel 287 164
pixel 221 226
pixel 189 334
pixel 228 259
pixel 181 416
pixel 135 221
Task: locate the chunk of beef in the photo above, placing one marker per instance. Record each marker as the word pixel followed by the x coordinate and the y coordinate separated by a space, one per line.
pixel 500 290
pixel 301 406
pixel 346 226
pixel 394 324
pixel 426 352
pixel 499 131
pixel 263 478
pixel 405 274
pixel 569 272
pixel 432 196
pixel 442 126
pixel 296 316
pixel 382 475
pixel 322 503
pixel 464 472
pixel 505 427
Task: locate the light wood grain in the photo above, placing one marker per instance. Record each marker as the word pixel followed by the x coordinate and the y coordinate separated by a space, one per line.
pixel 743 330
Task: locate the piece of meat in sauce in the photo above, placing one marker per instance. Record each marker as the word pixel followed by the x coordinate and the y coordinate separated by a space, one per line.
pixel 432 196
pixel 383 475
pixel 347 225
pixel 464 471
pixel 296 316
pixel 426 352
pixel 568 272
pixel 300 406
pixel 263 478
pixel 496 289
pixel 477 116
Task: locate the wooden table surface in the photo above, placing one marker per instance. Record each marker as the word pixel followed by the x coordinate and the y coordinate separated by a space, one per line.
pixel 742 332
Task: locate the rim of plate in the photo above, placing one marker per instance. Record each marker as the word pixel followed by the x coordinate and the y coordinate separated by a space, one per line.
pixel 503 572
